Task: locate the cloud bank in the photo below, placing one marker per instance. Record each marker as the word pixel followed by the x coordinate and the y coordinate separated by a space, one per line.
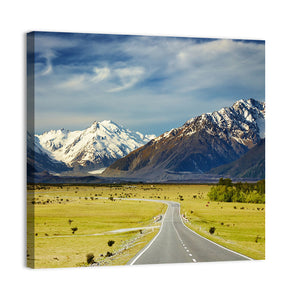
pixel 145 83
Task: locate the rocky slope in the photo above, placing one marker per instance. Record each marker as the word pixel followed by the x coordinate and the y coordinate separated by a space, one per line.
pixel 250 165
pixel 202 143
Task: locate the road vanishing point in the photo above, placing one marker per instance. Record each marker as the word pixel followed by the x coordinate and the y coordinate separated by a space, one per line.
pixel 176 243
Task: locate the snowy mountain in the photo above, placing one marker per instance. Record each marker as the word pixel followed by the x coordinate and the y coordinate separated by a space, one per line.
pixel 93 148
pixel 243 122
pixel 38 160
pixel 202 143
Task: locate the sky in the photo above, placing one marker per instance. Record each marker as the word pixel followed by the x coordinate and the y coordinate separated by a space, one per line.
pixel 144 83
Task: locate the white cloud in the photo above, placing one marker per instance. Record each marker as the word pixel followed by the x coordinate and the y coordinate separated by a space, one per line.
pixel 48 70
pixel 82 81
pixel 74 83
pixel 43 69
pixel 180 76
pixel 128 77
pixel 101 74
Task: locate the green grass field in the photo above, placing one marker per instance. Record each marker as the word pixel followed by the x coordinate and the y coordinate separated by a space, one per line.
pixel 53 217
pixel 54 210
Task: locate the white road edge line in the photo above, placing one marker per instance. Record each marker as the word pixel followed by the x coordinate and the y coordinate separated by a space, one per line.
pixel 148 246
pixel 168 202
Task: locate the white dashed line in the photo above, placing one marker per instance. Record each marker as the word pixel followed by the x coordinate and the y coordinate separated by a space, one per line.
pixel 194 260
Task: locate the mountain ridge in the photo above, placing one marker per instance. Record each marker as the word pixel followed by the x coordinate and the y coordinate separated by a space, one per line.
pixel 200 144
pixel 94 147
pixel 251 164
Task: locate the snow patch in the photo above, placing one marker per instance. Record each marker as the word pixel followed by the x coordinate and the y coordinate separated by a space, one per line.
pixel 95 172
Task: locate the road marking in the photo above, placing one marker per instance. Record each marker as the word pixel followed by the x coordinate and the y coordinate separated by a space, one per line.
pixel 177 205
pixel 194 260
pixel 177 231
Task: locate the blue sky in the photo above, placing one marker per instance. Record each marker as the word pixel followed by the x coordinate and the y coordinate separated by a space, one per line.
pixel 147 84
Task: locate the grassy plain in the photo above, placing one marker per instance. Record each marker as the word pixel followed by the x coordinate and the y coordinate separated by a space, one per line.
pixel 238 226
pixel 57 210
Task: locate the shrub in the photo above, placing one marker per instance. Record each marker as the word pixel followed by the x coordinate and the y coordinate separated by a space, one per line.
pixel 90 258
pixel 212 230
pixel 108 254
pixel 110 243
pixel 74 229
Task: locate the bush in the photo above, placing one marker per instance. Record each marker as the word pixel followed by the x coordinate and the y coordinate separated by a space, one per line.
pixel 108 254
pixel 110 243
pixel 90 258
pixel 212 230
pixel 74 229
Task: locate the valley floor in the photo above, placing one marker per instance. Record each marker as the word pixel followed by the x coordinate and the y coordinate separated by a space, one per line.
pixel 68 222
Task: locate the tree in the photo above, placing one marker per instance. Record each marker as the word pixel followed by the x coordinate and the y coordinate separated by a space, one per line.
pixel 226 181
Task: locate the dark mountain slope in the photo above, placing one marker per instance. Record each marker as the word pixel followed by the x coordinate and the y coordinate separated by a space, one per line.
pixel 38 160
pixel 250 165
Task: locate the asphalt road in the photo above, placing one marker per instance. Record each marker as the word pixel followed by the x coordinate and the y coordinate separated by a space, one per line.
pixel 176 243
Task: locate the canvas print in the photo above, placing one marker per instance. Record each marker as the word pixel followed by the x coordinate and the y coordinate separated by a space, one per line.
pixel 144 150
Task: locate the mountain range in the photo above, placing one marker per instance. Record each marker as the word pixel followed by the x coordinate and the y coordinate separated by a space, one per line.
pixel 94 148
pixel 201 144
pixel 225 142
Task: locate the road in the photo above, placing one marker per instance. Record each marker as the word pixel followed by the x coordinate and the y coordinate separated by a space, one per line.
pixel 176 243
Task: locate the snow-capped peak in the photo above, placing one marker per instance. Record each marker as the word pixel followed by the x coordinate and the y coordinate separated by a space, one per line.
pixel 243 119
pixel 99 145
